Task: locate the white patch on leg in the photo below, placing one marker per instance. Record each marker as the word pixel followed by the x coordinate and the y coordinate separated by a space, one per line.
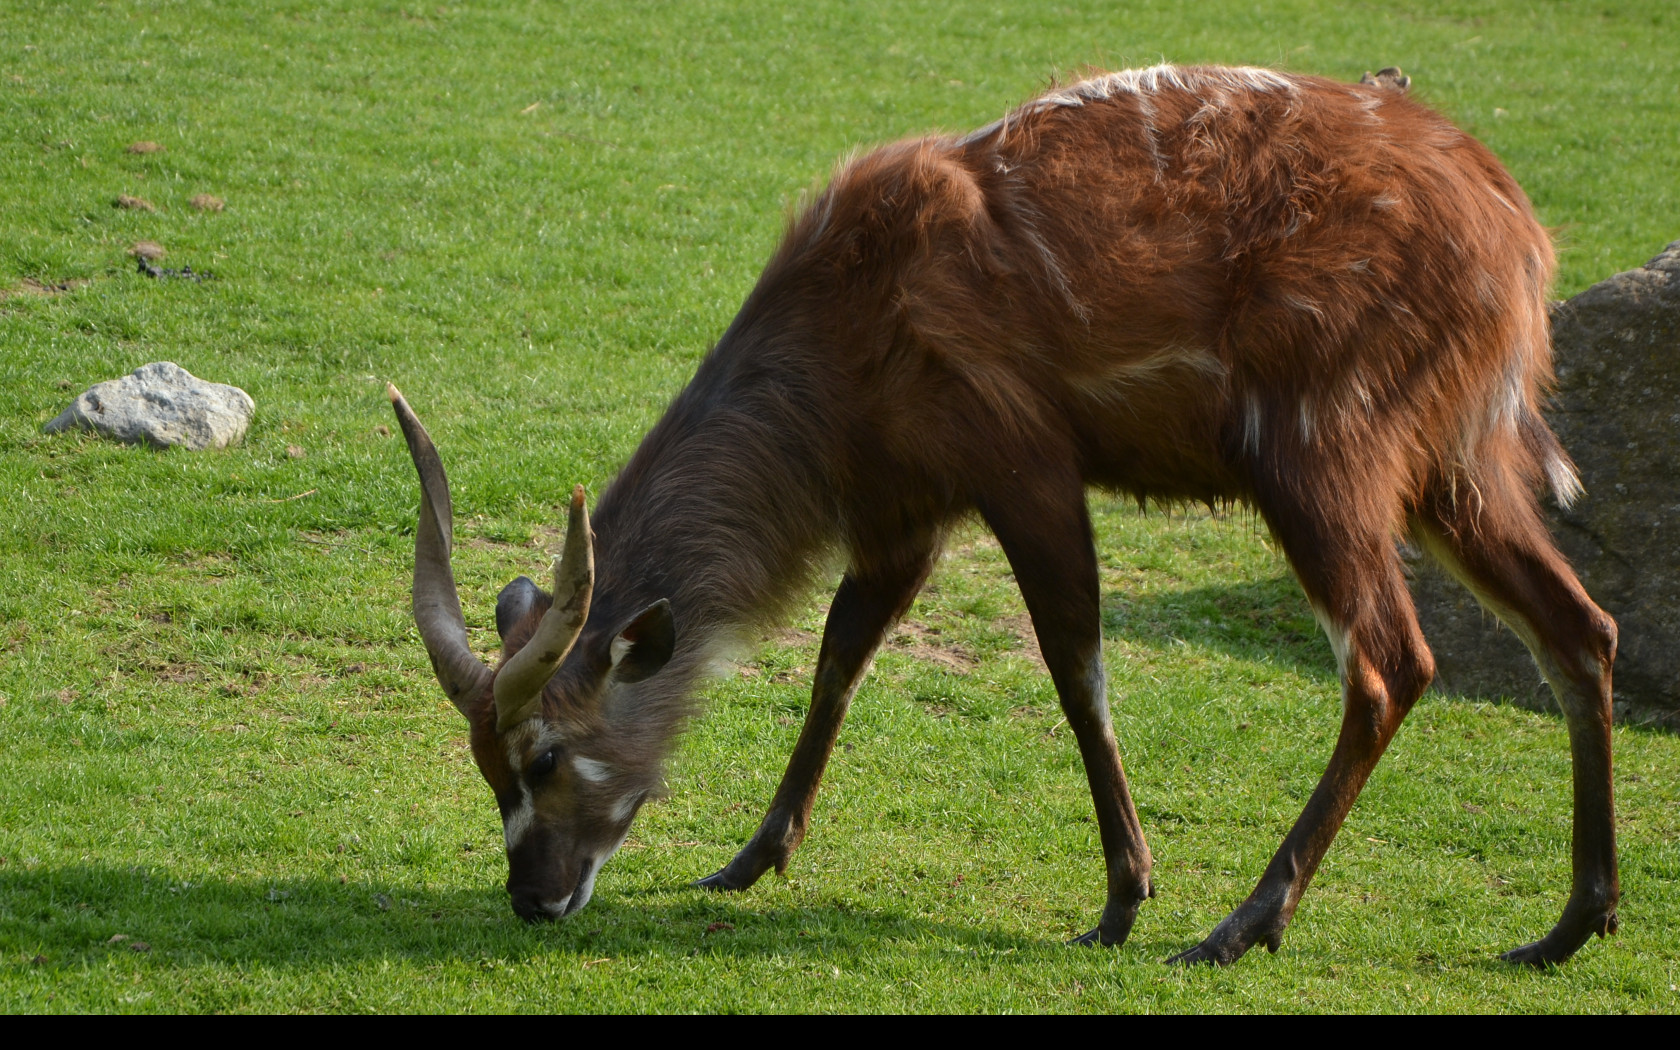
pixel 1096 684
pixel 1339 639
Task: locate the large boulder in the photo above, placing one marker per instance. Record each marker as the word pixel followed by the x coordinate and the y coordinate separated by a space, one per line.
pixel 1617 411
pixel 161 404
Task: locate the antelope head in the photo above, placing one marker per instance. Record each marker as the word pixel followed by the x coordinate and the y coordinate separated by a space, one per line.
pixel 541 720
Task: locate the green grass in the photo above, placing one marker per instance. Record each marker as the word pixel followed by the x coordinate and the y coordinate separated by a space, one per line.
pixel 218 732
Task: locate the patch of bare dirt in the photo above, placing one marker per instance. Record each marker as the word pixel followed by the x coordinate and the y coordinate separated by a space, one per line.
pixel 792 638
pixel 144 147
pixel 1020 625
pixel 208 202
pixel 129 203
pixel 179 673
pixel 252 684
pixel 537 570
pixel 929 644
pixel 30 286
pixel 150 250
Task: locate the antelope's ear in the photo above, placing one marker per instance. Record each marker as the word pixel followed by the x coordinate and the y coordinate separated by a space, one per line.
pixel 644 646
pixel 515 603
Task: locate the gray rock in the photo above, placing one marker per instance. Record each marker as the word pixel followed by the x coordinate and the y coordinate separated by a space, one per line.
pixel 161 404
pixel 1617 411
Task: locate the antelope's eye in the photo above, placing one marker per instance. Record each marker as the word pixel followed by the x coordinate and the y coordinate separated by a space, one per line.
pixel 543 766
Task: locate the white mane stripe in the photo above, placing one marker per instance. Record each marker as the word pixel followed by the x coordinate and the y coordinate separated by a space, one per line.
pixel 1169 77
pixel 1141 84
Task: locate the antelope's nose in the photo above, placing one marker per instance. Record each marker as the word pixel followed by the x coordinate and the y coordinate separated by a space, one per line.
pixel 529 906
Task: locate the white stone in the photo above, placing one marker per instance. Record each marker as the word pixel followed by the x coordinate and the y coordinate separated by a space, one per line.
pixel 161 404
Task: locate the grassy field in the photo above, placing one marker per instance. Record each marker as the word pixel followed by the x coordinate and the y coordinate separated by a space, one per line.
pixel 219 737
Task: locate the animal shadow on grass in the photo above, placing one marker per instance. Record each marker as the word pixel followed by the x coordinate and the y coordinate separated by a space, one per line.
pixel 1266 620
pixel 78 914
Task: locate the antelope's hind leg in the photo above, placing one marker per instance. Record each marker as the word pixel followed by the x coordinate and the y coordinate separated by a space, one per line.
pixel 867 603
pixel 1353 579
pixel 1498 546
pixel 1045 531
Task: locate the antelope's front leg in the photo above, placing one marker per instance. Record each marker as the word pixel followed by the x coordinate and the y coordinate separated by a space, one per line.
pixel 1045 531
pixel 866 604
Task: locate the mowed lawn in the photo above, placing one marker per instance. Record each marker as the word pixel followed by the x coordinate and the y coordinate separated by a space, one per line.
pixel 228 780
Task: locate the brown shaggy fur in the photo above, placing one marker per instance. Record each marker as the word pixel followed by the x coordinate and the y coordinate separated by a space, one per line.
pixel 1319 299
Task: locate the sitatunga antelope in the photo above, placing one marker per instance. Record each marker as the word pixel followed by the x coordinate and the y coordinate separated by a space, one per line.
pixel 1180 283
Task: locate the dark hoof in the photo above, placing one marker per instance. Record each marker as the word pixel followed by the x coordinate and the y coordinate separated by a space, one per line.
pixel 1231 939
pixel 738 874
pixel 1200 955
pixel 1538 955
pixel 1565 940
pixel 720 882
pixel 1115 925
